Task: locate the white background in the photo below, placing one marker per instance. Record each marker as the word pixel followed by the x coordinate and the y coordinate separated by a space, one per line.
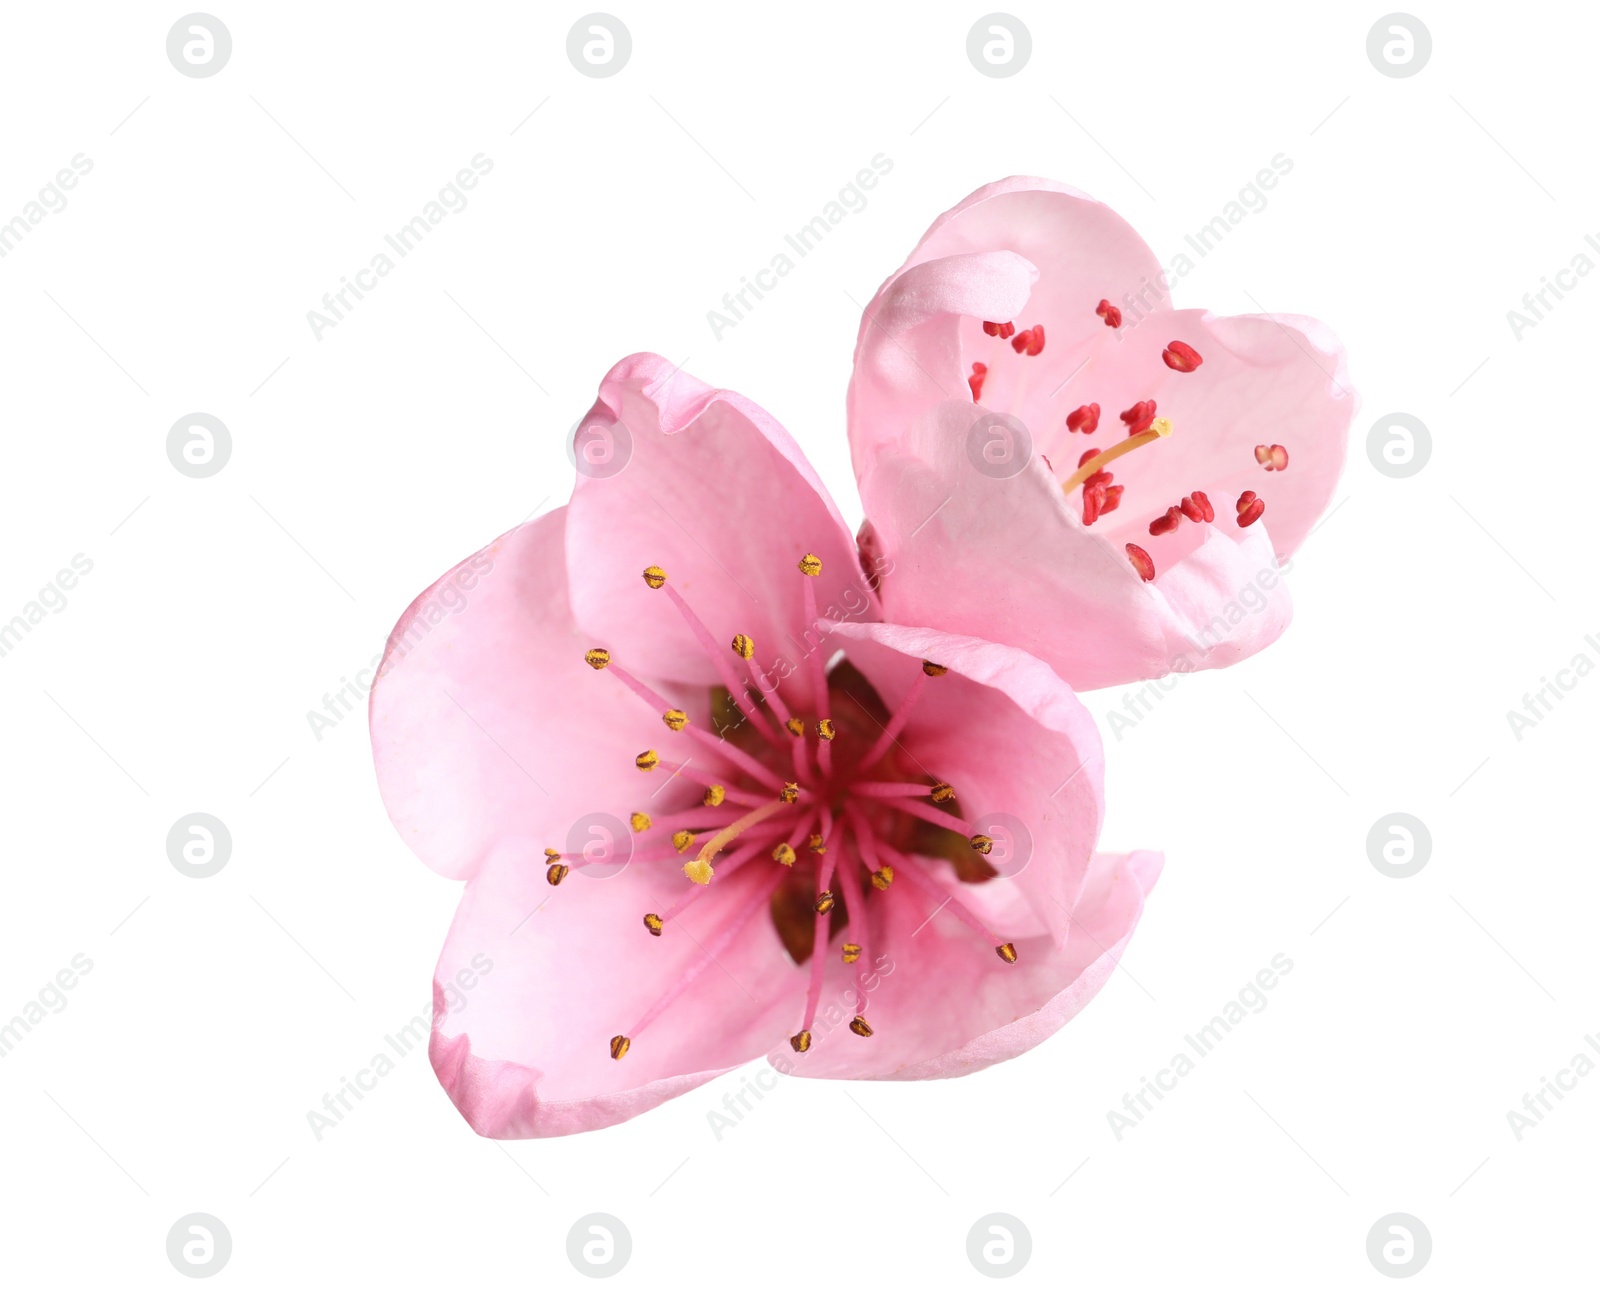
pixel 219 611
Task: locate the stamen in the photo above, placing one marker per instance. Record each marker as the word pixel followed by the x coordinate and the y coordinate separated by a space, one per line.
pixel 762 894
pixel 670 716
pixel 1274 457
pixel 934 670
pixel 789 793
pixel 1167 521
pixel 855 931
pixel 796 727
pixel 850 953
pixel 883 877
pixel 811 565
pixel 940 792
pixel 599 657
pixel 1197 507
pixel 783 854
pixel 688 773
pixel 743 647
pixel 730 680
pixel 1030 341
pixel 860 1027
pixel 676 719
pixel 1007 952
pixel 653 923
pixel 1250 508
pixel 646 761
pixel 1159 429
pixel 801 1041
pixel 819 944
pixel 1085 419
pixel 981 844
pixel 1139 416
pixel 682 839
pixel 557 872
pixel 700 870
pixel 826 730
pixel 1181 357
pixel 730 866
pixel 901 716
pixel 824 903
pixel 1141 562
pixel 815 844
pixel 714 796
pixel 975 381
pixel 1109 313
pixel 965 914
pixel 928 813
pixel 655 576
pixel 639 822
pixel 1001 330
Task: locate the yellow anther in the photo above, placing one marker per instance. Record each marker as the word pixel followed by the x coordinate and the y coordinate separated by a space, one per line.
pixel 743 647
pixel 811 564
pixel 597 657
pixel 552 855
pixel 784 854
pixel 698 870
pixel 860 1027
pixel 1159 430
pixel 681 840
pixel 652 922
pixel 824 902
pixel 851 952
pixel 640 822
pixel 941 792
pixel 882 878
pixel 814 843
pixel 790 792
pixel 714 796
pixel 655 576
pixel 796 727
pixel 676 719
pixel 557 872
pixel 981 843
pixel 1007 953
pixel 619 1046
pixel 646 761
pixel 934 670
pixel 826 730
pixel 801 1041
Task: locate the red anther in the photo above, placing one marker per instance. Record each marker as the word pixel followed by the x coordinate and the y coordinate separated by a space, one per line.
pixel 1139 417
pixel 1109 313
pixel 1030 341
pixel 1166 521
pixel 975 382
pixel 1250 513
pixel 1086 455
pixel 1001 330
pixel 1191 509
pixel 1113 497
pixel 1264 455
pixel 1084 418
pixel 1204 503
pixel 1181 357
pixel 1280 457
pixel 1094 498
pixel 1101 477
pixel 1141 562
pixel 1245 499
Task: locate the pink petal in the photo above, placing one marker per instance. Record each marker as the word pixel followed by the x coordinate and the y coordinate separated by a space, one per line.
pixel 1011 738
pixel 1053 587
pixel 987 1011
pixel 526 1050
pixel 718 495
pixel 1080 251
pixel 490 735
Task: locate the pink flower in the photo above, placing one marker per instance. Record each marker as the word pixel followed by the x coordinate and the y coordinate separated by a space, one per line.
pixel 886 871
pixel 1077 576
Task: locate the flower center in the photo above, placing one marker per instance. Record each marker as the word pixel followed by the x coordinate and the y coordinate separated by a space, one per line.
pixel 815 816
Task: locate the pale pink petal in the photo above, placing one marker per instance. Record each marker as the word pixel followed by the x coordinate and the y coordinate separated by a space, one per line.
pixel 718 495
pixel 1013 741
pixel 526 1050
pixel 490 735
pixel 987 1011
